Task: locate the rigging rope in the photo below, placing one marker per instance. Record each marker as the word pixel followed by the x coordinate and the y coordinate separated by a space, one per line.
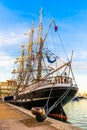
pixel 58 101
pixel 63 46
pixel 46 106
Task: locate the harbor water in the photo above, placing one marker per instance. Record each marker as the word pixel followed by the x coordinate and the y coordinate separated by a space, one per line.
pixel 77 113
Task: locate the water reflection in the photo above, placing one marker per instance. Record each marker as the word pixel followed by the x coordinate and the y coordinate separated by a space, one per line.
pixel 77 113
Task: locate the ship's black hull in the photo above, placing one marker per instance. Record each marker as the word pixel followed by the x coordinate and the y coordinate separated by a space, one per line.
pixel 39 98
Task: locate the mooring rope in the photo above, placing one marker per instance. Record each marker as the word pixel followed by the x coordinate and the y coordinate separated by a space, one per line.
pixel 46 106
pixel 48 110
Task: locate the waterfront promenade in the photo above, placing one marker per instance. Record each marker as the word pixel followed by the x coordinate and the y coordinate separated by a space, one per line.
pixel 17 118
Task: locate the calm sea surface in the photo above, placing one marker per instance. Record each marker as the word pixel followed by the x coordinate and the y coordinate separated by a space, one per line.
pixel 77 113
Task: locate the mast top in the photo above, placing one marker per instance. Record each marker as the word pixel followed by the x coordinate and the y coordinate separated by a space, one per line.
pixel 41 11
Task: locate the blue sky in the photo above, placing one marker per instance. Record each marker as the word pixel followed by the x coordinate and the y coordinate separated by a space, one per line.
pixel 71 17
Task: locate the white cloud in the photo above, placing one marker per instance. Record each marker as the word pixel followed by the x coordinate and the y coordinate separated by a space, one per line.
pixel 6 66
pixel 82 82
pixel 81 54
pixel 11 38
pixel 79 68
pixel 5 59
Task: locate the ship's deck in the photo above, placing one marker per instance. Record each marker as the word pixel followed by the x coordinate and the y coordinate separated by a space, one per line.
pixel 17 118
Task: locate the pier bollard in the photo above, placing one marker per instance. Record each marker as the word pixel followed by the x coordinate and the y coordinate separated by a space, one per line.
pixel 40 113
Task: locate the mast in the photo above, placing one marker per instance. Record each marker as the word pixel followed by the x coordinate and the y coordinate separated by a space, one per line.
pixel 22 60
pixel 30 43
pixel 20 70
pixel 39 67
pixel 28 66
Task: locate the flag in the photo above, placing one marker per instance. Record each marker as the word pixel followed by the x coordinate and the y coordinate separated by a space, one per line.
pixel 56 28
pixel 32 58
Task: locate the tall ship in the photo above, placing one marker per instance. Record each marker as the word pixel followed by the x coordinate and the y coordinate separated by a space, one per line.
pixel 43 78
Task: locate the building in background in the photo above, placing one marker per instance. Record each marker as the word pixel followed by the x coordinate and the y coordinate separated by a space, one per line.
pixel 6 88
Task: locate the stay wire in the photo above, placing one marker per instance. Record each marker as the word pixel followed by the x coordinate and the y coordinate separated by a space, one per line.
pixel 46 106
pixel 59 100
pixel 63 46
